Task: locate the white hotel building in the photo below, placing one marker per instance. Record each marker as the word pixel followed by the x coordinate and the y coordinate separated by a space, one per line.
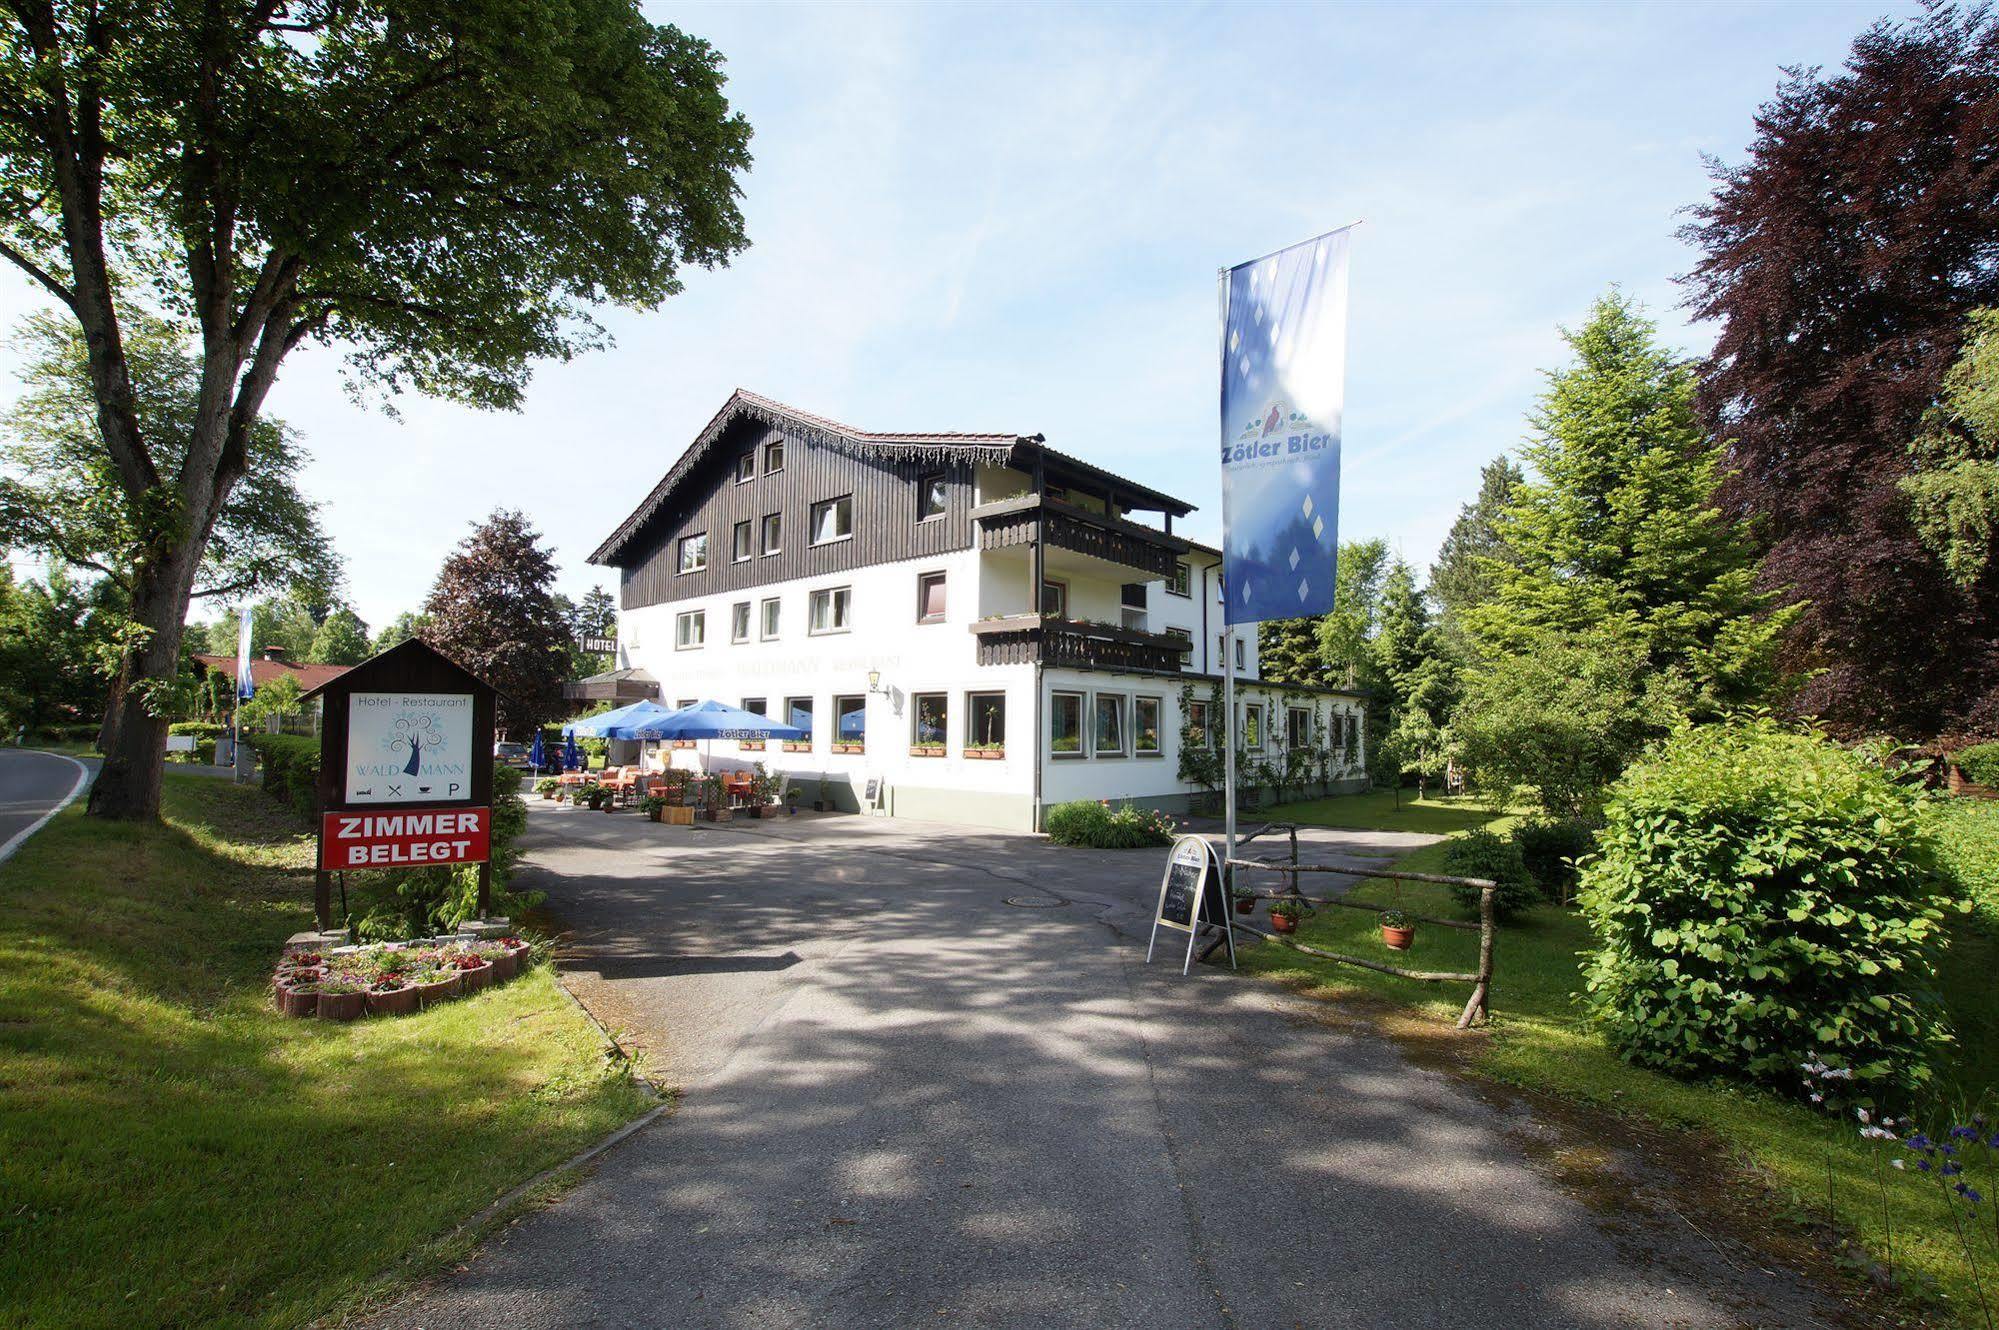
pixel 974 622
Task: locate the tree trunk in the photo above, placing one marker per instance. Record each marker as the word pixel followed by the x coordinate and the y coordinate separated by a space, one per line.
pixel 135 740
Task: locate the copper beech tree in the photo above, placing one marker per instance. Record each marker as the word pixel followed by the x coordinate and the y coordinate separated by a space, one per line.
pixel 442 190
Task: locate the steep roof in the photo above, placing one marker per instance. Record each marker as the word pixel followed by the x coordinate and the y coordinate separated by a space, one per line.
pixel 952 446
pixel 264 671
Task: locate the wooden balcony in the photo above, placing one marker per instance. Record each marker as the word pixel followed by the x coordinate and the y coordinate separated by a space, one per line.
pixel 1027 639
pixel 1031 517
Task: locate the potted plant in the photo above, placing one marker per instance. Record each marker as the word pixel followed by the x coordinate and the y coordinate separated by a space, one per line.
pixel 790 799
pixel 547 787
pixel 598 794
pixel 1396 930
pixel 819 795
pixel 1285 914
pixel 297 993
pixel 655 807
pixel 1245 899
pixel 434 982
pixel 392 995
pixel 507 955
pixel 475 972
pixel 342 998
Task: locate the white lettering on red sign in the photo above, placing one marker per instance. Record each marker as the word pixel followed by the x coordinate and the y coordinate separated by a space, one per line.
pixel 413 838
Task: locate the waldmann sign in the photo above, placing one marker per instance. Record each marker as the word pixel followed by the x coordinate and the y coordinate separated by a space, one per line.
pixel 405 840
pixel 408 748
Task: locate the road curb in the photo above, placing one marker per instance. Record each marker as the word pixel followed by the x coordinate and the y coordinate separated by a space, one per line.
pixel 20 838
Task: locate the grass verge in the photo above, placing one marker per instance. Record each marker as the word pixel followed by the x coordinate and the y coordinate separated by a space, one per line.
pixel 1538 1043
pixel 174 1153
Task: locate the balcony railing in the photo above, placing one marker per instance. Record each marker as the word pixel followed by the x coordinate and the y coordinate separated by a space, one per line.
pixel 1028 639
pixel 1026 518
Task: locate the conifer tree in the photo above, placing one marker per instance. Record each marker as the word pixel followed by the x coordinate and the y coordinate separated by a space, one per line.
pixel 1461 578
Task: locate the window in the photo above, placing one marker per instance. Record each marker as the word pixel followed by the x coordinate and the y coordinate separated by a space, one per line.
pixel 739 621
pixel 1108 733
pixel 769 628
pixel 798 715
pixel 739 547
pixel 1065 724
pixel 1055 599
pixel 1252 725
pixel 930 598
pixel 1131 600
pixel 774 456
pixel 1239 656
pixel 756 706
pixel 1198 732
pixel 1145 726
pixel 930 715
pixel 985 722
pixel 930 496
pixel 772 536
pixel 1353 731
pixel 690 630
pixel 746 467
pixel 832 519
pixel 1181 582
pixel 1187 651
pixel 850 723
pixel 829 609
pixel 1297 728
pixel 694 552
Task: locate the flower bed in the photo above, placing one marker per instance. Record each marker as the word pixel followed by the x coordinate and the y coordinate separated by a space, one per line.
pixel 391 978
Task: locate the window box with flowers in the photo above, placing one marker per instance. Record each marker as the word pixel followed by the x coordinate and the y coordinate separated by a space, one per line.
pixel 926 750
pixel 986 752
pixel 797 745
pixel 850 748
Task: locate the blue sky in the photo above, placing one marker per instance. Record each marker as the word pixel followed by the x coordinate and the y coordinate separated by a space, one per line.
pixel 1011 218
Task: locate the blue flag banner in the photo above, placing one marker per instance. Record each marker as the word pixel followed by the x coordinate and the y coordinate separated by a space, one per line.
pixel 246 687
pixel 1284 348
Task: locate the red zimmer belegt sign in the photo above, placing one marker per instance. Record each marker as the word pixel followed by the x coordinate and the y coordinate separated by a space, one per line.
pixel 406 838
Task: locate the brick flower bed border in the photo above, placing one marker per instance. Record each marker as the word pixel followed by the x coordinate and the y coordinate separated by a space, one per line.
pixel 390 978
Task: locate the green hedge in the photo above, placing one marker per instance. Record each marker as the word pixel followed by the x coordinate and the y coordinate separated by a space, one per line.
pixel 1763 897
pixel 1482 853
pixel 1979 763
pixel 291 769
pixel 1098 826
pixel 393 904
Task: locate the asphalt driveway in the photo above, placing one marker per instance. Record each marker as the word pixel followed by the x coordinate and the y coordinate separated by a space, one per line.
pixel 909 1102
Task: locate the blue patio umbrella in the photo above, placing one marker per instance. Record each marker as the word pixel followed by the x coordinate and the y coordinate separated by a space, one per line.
pixel 537 754
pixel 572 757
pixel 614 724
pixel 712 720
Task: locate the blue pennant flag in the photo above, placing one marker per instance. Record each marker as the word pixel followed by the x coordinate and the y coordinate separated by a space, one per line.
pixel 1284 348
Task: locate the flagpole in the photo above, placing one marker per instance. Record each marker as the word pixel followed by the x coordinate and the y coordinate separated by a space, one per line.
pixel 1228 629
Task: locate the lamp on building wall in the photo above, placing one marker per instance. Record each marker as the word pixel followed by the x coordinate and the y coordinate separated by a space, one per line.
pixel 875 683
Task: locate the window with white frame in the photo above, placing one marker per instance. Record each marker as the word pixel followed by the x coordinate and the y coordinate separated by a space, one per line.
pixel 798 715
pixel 850 719
pixel 739 547
pixel 1252 725
pixel 1199 733
pixel 1065 724
pixel 830 606
pixel 694 552
pixel 1297 728
pixel 1185 636
pixel 1055 599
pixel 739 621
pixel 931 496
pixel 833 519
pixel 771 539
pixel 930 720
pixel 774 456
pixel 1180 583
pixel 930 598
pixel 690 630
pixel 1107 733
pixel 768 627
pixel 1241 657
pixel 985 722
pixel 1145 726
pixel 746 468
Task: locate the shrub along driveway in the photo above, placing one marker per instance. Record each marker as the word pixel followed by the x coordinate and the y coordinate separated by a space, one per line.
pixel 907 1101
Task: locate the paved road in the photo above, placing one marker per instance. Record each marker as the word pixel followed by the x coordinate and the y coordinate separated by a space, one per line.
pixel 907 1102
pixel 31 784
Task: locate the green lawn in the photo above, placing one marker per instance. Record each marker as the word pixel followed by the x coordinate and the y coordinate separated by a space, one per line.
pixel 174 1153
pixel 1381 810
pixel 1537 1042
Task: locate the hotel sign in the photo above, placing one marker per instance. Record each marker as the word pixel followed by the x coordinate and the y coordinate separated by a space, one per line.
pixel 408 748
pixel 417 839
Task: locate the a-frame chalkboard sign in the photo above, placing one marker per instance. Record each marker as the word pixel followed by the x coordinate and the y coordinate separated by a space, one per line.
pixel 405 768
pixel 1190 895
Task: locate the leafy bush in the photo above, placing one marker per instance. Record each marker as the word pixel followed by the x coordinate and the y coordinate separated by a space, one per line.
pixel 1098 826
pixel 1967 838
pixel 1482 853
pixel 1550 848
pixel 1979 763
pixel 393 904
pixel 1762 897
pixel 291 769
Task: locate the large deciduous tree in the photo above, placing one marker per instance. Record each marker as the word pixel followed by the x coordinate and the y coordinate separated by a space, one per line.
pixel 493 611
pixel 1842 259
pixel 442 189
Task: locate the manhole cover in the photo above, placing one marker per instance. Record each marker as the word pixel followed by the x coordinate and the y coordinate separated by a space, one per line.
pixel 1036 902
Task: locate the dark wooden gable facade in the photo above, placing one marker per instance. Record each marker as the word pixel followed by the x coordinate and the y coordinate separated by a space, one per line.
pixel 882 478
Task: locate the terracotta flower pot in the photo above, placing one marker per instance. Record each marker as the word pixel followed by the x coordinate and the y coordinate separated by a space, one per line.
pixel 1245 905
pixel 429 995
pixel 1283 923
pixel 477 978
pixel 1397 938
pixel 396 1002
pixel 342 1006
